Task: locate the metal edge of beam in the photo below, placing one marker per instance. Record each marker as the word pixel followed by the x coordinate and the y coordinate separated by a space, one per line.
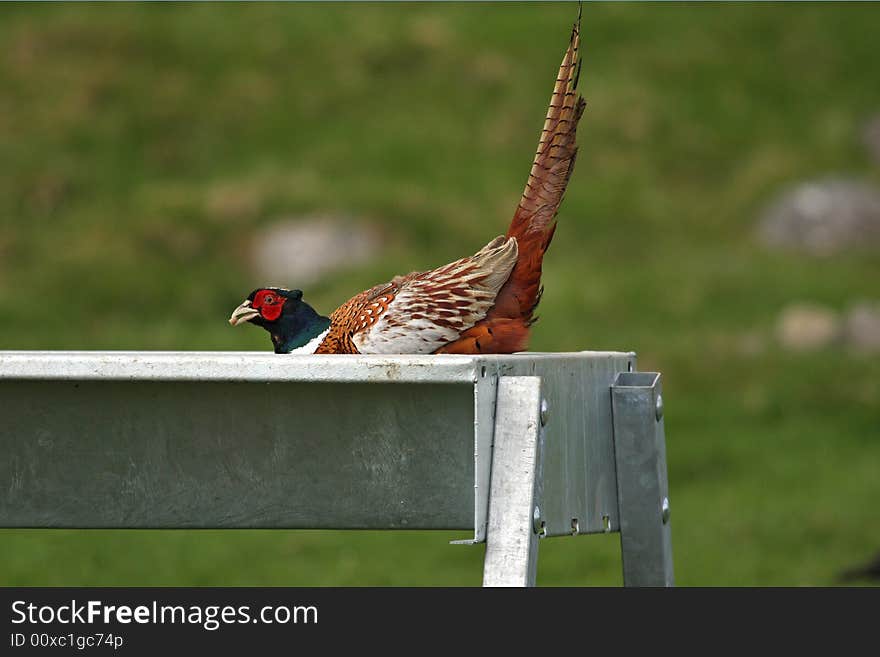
pixel 485 410
pixel 235 366
pixel 248 366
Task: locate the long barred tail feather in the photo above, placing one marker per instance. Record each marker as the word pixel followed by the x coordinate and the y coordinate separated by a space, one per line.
pixel 534 222
pixel 506 326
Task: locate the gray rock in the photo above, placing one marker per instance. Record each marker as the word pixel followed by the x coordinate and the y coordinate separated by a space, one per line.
pixel 862 327
pixel 805 327
pixel 295 252
pixel 823 218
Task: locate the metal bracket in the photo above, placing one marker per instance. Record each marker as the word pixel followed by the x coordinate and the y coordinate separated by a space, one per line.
pixel 642 485
pixel 515 488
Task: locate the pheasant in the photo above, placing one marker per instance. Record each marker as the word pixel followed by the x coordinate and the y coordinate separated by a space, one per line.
pixel 484 303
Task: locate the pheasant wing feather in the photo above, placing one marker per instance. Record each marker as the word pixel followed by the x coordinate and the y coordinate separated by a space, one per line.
pixel 421 312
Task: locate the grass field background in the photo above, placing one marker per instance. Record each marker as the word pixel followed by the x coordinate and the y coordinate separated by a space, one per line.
pixel 142 146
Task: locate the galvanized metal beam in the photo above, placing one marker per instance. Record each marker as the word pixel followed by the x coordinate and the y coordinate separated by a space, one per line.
pixel 227 439
pixel 642 485
pixel 169 454
pixel 515 497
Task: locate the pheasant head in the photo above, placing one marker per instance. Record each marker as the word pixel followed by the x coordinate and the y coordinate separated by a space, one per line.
pixel 290 321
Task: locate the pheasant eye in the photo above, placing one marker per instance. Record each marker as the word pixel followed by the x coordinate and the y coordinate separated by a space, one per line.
pixel 268 299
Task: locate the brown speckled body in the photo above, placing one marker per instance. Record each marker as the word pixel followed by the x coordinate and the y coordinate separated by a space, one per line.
pixel 357 314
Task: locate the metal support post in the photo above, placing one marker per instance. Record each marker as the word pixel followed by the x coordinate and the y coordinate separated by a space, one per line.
pixel 642 485
pixel 515 489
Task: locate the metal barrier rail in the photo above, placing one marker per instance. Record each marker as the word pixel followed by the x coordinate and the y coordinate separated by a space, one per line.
pixel 511 446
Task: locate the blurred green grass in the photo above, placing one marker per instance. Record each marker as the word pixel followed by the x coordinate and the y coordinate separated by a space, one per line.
pixel 141 146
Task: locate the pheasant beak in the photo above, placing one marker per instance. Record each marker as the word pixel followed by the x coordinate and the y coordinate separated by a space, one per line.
pixel 243 313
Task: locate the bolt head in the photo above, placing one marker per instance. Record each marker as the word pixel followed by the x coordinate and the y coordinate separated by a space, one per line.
pixel 545 408
pixel 537 521
pixel 664 510
pixel 658 408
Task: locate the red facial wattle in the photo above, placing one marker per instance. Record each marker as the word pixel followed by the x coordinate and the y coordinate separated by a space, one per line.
pixel 271 312
pixel 269 304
